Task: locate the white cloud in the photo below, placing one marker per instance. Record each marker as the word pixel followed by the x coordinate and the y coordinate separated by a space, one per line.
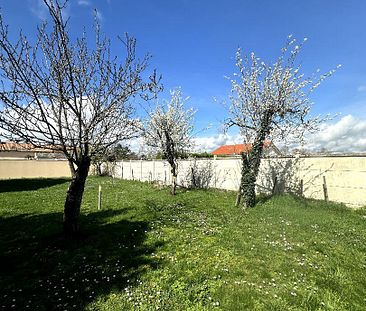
pixel 87 3
pixel 210 143
pixel 84 2
pixel 39 9
pixel 135 145
pixel 204 143
pixel 346 135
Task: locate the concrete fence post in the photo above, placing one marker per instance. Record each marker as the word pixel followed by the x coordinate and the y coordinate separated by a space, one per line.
pixel 122 169
pixel 153 174
pixel 301 190
pixel 131 170
pixel 325 189
pixel 141 170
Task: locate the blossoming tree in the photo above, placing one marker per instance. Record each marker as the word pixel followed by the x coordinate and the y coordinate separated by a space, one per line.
pixel 169 129
pixel 269 102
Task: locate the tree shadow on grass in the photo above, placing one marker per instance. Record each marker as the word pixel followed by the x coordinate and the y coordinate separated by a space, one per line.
pixel 43 271
pixel 262 198
pixel 29 184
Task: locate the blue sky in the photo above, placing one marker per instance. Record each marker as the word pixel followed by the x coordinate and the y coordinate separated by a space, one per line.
pixel 193 43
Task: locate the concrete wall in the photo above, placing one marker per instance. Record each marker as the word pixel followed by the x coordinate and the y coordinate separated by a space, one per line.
pixel 345 177
pixel 10 169
pixel 16 155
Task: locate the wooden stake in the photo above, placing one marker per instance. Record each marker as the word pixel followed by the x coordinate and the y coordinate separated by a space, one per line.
pixel 100 198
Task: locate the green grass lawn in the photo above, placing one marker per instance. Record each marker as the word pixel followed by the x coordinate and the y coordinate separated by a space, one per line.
pixel 147 250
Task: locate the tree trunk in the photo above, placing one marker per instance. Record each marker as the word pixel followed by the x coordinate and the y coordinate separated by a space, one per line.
pixel 170 155
pixel 174 178
pixel 72 168
pixel 248 181
pixel 251 162
pixel 74 197
pixel 238 196
pixel 98 168
pixel 193 178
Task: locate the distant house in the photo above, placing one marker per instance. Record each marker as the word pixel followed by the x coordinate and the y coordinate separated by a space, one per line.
pixel 238 149
pixel 13 150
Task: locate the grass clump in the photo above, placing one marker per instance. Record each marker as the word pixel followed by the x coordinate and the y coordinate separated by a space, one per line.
pixel 147 250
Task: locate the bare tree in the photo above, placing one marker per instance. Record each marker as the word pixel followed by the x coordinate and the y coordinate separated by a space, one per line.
pixel 63 94
pixel 169 129
pixel 270 101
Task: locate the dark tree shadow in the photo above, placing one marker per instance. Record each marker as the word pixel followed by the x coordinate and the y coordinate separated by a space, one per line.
pixel 262 198
pixel 13 185
pixel 41 271
pixel 281 176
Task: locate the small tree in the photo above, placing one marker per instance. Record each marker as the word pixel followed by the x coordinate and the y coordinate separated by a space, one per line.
pixel 269 101
pixel 65 95
pixel 110 155
pixel 119 152
pixel 169 130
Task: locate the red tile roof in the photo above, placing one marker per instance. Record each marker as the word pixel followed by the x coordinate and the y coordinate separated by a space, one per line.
pixel 236 149
pixel 13 146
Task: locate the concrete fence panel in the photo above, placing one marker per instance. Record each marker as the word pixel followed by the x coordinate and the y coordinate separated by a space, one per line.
pixel 11 169
pixel 337 178
pixel 345 177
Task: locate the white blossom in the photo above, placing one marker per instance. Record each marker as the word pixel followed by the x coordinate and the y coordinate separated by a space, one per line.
pixel 170 117
pixel 277 88
pixel 169 130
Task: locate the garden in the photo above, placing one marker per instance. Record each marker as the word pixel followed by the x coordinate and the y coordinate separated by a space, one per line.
pixel 147 250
